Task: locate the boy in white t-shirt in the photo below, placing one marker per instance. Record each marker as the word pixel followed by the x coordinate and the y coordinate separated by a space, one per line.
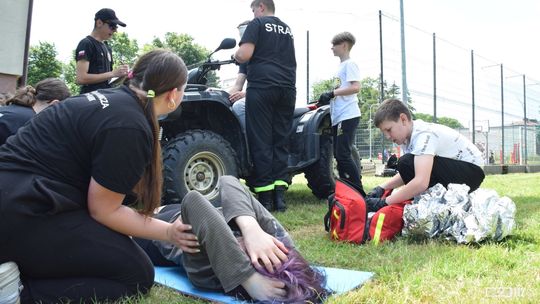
pixel 433 154
pixel 344 110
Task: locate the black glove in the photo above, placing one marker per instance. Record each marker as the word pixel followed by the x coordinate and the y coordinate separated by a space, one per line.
pixel 325 98
pixel 374 204
pixel 377 192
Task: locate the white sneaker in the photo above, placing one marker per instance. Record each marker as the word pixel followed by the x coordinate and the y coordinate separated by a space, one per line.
pixel 10 283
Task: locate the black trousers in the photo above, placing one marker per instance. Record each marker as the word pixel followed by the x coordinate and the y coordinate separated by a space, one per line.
pixel 65 255
pixel 445 171
pixel 269 116
pixel 343 134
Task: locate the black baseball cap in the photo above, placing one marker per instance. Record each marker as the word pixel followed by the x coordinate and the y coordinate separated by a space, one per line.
pixel 109 16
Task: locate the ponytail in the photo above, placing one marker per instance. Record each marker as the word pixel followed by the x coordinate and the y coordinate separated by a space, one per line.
pixel 155 72
pixel 25 96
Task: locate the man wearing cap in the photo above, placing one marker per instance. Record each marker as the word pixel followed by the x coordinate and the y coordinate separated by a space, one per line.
pixel 94 56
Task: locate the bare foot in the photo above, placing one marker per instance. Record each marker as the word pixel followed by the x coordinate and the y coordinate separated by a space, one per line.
pixel 263 288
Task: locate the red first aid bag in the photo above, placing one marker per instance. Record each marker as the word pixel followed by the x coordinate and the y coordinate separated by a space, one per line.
pixel 347 219
pixel 347 214
pixel 386 223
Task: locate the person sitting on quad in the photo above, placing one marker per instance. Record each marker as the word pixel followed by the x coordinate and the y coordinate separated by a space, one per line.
pixel 236 93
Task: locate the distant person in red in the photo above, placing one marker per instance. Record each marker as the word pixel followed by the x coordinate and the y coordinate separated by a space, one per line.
pixel 94 56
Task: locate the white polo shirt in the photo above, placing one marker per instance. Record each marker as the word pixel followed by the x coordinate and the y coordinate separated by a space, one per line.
pixel 345 107
pixel 439 140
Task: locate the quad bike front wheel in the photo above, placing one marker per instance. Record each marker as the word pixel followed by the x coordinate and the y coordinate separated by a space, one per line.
pixel 195 160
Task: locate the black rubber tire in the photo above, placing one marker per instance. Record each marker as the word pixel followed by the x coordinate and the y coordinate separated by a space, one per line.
pixel 321 176
pixel 357 159
pixel 195 160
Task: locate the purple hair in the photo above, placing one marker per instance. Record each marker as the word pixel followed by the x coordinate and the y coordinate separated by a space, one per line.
pixel 303 282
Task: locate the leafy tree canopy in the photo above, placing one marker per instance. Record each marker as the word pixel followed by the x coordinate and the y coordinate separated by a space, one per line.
pixel 125 50
pixel 42 63
pixel 449 122
pixel 183 45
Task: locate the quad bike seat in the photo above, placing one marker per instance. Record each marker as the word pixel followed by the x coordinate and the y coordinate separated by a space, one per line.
pixel 300 111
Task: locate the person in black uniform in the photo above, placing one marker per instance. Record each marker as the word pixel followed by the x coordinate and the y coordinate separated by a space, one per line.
pixel 63 178
pixel 268 45
pixel 94 56
pixel 27 102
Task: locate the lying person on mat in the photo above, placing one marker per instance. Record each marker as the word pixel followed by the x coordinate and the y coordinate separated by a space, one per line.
pixel 243 249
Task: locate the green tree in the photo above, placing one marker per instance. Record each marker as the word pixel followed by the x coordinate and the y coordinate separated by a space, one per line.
pixel 42 63
pixel 68 75
pixel 183 45
pixel 369 94
pixel 369 97
pixel 447 121
pixel 321 87
pixel 393 92
pixel 125 50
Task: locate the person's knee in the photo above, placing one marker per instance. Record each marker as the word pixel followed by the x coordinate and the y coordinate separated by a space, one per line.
pixel 405 167
pixel 141 275
pixel 147 281
pixel 227 181
pixel 405 162
pixel 224 179
pixel 239 107
pixel 191 200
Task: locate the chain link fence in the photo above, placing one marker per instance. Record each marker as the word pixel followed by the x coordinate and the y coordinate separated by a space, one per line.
pixel 497 107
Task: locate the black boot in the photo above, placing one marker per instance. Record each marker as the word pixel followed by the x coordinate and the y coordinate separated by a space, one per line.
pixel 279 198
pixel 266 199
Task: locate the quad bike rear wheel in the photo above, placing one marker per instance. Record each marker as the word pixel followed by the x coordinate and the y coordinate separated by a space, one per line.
pixel 321 176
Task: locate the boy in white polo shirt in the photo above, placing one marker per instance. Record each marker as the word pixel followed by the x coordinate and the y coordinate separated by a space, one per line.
pixel 433 154
pixel 344 110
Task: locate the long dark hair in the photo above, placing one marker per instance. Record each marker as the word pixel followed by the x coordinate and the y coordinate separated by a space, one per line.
pixel 159 71
pixel 46 90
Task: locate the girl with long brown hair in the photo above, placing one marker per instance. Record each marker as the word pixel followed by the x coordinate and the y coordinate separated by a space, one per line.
pixel 63 179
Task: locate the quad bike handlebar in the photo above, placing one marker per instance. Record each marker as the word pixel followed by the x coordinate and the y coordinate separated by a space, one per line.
pixel 198 74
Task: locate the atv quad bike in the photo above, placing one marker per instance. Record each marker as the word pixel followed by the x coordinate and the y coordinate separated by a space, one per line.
pixel 203 140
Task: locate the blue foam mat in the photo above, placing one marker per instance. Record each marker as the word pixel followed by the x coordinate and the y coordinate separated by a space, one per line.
pixel 339 280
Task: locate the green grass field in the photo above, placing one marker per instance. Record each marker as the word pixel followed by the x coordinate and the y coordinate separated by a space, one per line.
pixel 432 271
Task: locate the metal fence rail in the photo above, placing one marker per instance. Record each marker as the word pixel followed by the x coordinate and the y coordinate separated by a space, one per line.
pixel 498 107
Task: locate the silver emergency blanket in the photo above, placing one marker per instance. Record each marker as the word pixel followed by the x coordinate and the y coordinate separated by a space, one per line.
pixel 454 214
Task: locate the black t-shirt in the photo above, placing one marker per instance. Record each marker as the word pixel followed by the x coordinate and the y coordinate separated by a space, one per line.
pixel 242 68
pixel 99 56
pixel 103 134
pixel 13 117
pixel 273 62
